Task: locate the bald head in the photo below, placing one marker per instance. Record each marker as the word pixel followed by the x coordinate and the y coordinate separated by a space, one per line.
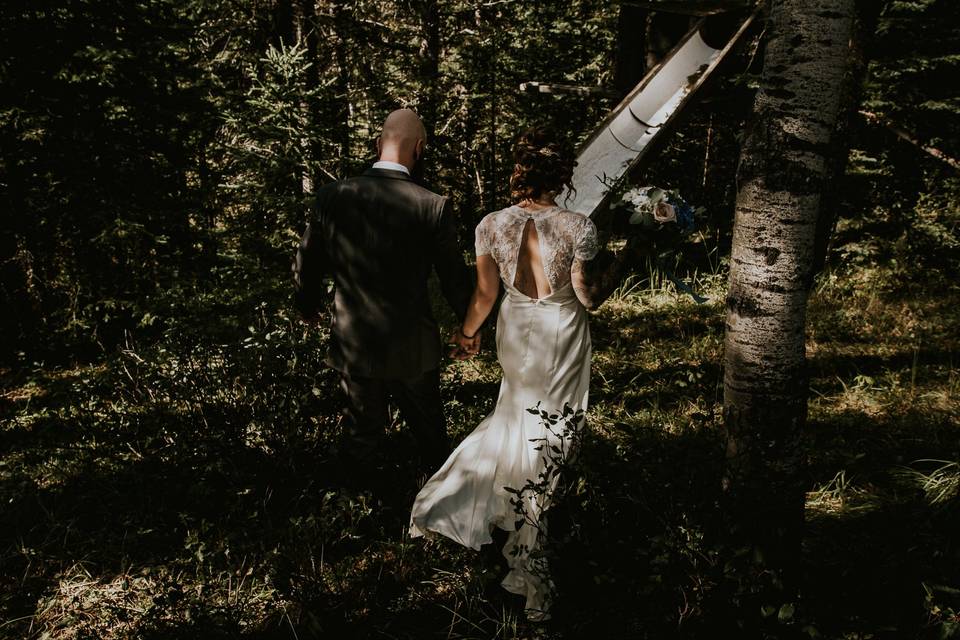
pixel 403 138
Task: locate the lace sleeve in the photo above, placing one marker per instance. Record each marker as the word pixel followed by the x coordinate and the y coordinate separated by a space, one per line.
pixel 483 240
pixel 587 245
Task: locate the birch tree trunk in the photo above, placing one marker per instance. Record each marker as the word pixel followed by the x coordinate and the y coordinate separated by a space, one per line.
pixel 787 162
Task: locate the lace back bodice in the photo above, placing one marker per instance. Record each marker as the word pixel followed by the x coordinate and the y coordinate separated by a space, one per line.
pixel 563 235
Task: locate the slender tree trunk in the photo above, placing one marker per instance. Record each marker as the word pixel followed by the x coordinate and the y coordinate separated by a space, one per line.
pixel 429 61
pixel 207 196
pixel 309 34
pixel 786 165
pixel 485 20
pixel 430 72
pixel 341 98
pixel 706 153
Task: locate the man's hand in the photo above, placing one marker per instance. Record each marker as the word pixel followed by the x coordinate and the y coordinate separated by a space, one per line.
pixel 464 347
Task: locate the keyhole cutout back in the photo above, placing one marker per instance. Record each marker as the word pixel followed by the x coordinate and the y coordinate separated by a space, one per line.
pixel 530 278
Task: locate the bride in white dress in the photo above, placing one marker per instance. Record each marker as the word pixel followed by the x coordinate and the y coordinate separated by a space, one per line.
pixel 539 251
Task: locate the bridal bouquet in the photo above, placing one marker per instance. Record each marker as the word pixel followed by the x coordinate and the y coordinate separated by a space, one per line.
pixel 665 220
pixel 652 208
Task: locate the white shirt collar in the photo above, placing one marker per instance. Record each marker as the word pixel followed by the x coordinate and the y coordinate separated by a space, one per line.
pixel 386 164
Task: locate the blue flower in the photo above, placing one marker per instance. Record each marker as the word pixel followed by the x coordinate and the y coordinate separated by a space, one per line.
pixel 685 217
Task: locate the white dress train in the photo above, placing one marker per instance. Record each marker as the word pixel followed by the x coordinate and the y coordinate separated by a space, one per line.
pixel 543 346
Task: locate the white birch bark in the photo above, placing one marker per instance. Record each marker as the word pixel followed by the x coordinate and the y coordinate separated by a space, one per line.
pixel 785 167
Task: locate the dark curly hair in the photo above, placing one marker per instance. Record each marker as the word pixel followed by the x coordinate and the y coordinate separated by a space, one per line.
pixel 543 163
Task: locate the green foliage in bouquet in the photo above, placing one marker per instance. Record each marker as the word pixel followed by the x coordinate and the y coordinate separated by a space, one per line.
pixel 665 221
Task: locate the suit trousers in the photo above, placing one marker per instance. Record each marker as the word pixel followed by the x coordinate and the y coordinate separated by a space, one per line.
pixel 367 415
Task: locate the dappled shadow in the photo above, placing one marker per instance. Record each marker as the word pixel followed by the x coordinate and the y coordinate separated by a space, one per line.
pixel 868 446
pixel 106 489
pixel 643 515
pixel 475 391
pixel 118 509
pixel 832 368
pixel 872 539
pixel 864 568
pixel 646 364
pixel 185 495
pixel 55 393
pixel 666 387
pixel 638 545
pixel 652 323
pixel 191 491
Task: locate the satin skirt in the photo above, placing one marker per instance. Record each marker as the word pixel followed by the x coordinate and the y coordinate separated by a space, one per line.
pixel 543 346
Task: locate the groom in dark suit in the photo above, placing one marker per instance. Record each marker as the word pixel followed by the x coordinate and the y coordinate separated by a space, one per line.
pixel 379 235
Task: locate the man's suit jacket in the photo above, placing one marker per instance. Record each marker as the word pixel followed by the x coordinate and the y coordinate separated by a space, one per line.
pixel 379 235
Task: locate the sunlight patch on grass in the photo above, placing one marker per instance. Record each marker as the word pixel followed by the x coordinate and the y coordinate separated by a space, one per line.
pixel 201 432
pixel 940 485
pixel 840 494
pixel 132 602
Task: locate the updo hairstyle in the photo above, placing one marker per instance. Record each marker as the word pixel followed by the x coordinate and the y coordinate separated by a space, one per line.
pixel 543 164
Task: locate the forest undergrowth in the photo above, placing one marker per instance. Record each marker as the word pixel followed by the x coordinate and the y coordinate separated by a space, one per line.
pixel 183 487
pixel 166 421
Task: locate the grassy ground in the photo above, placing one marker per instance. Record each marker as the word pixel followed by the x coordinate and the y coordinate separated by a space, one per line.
pixel 182 488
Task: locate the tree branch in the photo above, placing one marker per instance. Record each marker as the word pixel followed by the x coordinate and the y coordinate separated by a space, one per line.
pixel 903 134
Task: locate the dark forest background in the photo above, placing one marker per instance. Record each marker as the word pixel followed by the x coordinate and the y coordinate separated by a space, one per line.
pixel 153 151
pixel 156 150
pixel 166 418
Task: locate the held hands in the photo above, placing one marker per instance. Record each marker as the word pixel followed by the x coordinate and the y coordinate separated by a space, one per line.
pixel 464 347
